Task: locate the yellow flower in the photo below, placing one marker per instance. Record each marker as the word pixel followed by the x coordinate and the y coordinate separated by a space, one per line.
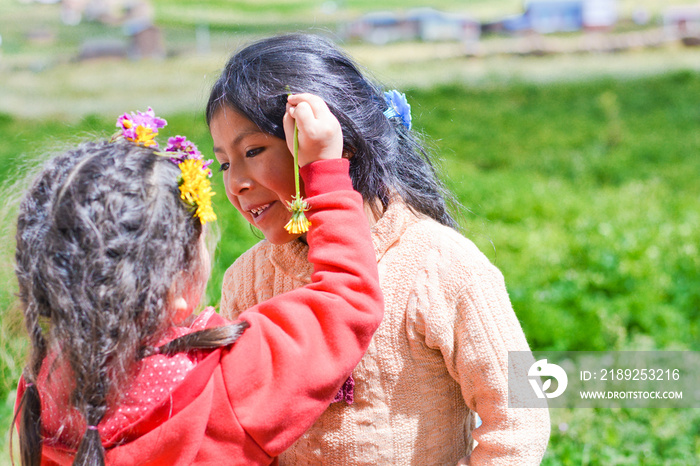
pixel 145 136
pixel 195 189
pixel 204 211
pixel 298 224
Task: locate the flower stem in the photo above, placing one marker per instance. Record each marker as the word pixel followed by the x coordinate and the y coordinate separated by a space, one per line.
pixel 298 224
pixel 296 158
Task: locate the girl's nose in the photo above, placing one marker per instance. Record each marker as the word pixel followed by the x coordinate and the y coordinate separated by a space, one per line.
pixel 239 182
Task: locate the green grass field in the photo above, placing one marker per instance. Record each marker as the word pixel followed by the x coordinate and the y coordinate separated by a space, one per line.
pixel 583 192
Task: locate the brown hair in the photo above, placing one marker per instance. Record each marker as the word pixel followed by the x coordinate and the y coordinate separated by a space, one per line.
pixel 102 235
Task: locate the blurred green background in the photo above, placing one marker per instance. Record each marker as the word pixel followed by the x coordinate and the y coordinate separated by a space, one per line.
pixel 577 173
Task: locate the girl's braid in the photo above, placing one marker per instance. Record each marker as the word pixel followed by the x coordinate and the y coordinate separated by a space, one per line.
pixel 32 227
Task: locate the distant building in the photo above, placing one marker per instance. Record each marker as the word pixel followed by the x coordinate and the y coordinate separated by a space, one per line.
pixel 682 21
pixel 599 14
pixel 547 16
pixel 426 24
pixel 434 25
pixel 380 27
pixel 105 11
pixel 142 38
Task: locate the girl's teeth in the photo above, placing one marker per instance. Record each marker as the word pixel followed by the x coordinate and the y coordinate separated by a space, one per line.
pixel 259 210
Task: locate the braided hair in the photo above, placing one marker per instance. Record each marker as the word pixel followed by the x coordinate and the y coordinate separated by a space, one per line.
pixel 387 158
pixel 104 244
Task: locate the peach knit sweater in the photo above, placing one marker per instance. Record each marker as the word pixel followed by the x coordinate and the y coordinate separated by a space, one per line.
pixel 440 354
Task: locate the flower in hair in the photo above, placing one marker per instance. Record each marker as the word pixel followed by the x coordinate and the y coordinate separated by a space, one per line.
pixel 195 188
pixel 140 127
pixel 181 144
pixel 182 150
pixel 398 106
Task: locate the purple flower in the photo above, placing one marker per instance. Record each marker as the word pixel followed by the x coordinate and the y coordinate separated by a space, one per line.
pixel 141 127
pixel 398 107
pixel 181 144
pixel 147 119
pixel 183 149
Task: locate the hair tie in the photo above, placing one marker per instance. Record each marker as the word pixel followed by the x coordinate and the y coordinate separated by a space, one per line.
pixel 28 385
pixel 91 427
pixel 398 107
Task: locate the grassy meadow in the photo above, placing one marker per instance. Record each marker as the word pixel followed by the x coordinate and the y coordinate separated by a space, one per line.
pixel 584 192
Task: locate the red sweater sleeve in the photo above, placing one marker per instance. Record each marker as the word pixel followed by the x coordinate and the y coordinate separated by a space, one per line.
pixel 302 345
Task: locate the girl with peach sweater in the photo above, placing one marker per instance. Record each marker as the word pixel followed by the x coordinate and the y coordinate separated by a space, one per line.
pixel 441 353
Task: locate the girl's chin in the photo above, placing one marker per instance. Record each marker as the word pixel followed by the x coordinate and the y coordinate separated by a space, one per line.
pixel 282 238
pixel 277 235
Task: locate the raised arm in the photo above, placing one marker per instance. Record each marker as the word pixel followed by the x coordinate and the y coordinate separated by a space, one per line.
pixel 302 345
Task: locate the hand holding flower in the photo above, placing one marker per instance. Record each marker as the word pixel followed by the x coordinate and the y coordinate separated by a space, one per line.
pixel 309 122
pixel 320 136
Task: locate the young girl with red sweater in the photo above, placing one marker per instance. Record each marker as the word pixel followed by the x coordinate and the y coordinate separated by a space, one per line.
pixel 111 263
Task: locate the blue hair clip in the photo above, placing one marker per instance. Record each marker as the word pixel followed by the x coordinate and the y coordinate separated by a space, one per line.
pixel 398 107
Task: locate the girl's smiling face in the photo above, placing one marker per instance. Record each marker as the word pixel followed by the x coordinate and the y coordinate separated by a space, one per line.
pixel 258 172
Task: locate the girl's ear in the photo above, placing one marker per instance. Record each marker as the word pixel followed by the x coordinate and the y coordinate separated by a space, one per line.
pixel 181 310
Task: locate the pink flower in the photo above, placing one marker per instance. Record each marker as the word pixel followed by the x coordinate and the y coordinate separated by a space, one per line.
pixel 183 149
pixel 141 127
pixel 181 144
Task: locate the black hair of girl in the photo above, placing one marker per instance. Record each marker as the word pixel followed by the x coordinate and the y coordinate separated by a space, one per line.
pixel 386 157
pixel 104 243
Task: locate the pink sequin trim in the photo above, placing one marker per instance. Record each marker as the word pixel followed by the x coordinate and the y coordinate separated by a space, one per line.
pixel 346 392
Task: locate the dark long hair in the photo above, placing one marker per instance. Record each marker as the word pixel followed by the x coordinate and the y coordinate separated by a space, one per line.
pixel 386 157
pixel 104 243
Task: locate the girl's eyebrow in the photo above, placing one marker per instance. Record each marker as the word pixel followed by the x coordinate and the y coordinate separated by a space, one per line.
pixel 244 134
pixel 238 138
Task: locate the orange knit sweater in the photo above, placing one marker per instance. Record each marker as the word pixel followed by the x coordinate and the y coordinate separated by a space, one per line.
pixel 440 354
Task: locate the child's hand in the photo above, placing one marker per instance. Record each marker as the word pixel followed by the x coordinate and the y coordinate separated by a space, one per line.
pixel 320 136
